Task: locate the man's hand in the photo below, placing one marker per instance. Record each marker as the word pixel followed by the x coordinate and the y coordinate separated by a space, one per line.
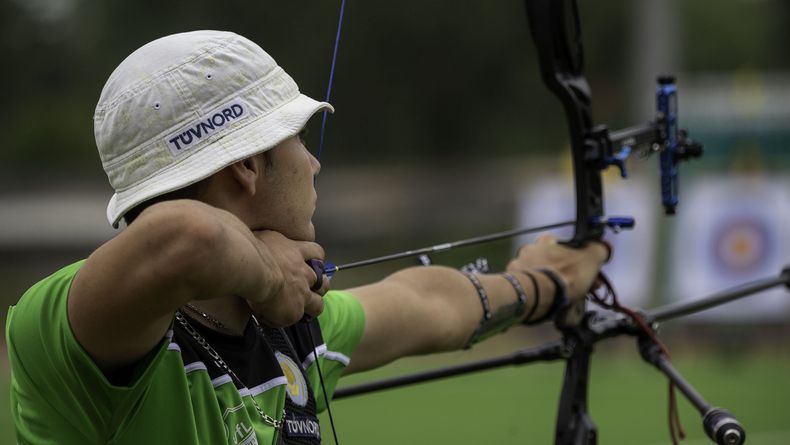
pixel 288 298
pixel 579 268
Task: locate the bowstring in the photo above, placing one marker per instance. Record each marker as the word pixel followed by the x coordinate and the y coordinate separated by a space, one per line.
pixel 321 379
pixel 331 78
pixel 318 157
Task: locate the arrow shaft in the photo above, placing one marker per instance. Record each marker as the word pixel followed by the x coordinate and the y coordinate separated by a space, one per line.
pixel 448 246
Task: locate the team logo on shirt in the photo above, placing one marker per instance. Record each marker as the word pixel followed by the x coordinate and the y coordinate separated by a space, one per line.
pixel 297 386
pixel 301 426
pixel 244 435
pixel 241 433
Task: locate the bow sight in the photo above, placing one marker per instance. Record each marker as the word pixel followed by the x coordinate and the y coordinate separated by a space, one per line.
pixel 660 135
pixel 556 30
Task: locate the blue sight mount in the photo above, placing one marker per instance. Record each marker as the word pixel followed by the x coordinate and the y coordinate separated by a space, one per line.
pixel 661 136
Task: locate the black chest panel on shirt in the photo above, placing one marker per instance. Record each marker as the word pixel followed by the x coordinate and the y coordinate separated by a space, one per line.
pixel 260 355
pixel 301 424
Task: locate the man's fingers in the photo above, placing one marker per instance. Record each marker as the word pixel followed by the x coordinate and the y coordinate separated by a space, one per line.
pixel 308 249
pixel 314 305
pixel 311 250
pixel 325 282
pixel 604 248
pixel 547 239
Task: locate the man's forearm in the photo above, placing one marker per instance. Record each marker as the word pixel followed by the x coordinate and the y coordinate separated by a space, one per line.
pixel 448 296
pixel 421 310
pixel 233 260
pixel 122 299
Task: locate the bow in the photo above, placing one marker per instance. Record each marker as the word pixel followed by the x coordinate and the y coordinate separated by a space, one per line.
pixel 555 29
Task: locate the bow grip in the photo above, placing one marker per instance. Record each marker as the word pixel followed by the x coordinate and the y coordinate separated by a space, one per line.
pixel 570 314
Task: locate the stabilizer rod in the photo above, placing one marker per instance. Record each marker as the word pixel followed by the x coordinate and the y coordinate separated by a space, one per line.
pixel 719 424
pixel 676 310
pixel 548 352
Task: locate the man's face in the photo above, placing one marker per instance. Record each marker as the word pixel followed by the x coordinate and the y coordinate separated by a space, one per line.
pixel 287 196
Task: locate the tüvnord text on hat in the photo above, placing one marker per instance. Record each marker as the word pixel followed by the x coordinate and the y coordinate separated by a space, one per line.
pixel 195 131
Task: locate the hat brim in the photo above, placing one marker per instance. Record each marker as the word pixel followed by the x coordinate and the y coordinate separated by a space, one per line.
pixel 257 136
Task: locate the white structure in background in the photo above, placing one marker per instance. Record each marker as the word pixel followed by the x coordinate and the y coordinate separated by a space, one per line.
pixel 740 104
pixel 54 219
pixel 732 230
pixel 632 267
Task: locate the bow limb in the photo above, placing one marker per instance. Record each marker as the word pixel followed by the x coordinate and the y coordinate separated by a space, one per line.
pixel 557 36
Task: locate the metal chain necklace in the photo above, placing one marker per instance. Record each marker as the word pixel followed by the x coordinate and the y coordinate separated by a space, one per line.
pixel 269 420
pixel 214 322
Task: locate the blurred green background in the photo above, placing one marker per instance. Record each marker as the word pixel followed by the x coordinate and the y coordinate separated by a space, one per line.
pixel 440 113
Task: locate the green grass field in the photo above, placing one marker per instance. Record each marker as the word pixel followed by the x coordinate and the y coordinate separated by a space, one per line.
pixel 628 401
pixel 517 405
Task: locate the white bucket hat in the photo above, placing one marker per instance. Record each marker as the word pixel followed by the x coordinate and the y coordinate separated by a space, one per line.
pixel 185 106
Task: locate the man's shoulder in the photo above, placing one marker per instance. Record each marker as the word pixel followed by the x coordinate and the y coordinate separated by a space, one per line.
pixel 52 285
pixel 45 299
pixel 37 326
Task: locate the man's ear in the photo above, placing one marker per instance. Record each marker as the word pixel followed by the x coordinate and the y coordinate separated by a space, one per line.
pixel 246 172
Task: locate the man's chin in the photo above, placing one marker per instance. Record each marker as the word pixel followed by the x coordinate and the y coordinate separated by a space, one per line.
pixel 306 234
pixel 310 232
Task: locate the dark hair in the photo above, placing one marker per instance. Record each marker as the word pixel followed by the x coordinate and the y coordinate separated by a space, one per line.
pixel 192 191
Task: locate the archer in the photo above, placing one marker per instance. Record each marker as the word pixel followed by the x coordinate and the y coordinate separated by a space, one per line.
pixel 207 319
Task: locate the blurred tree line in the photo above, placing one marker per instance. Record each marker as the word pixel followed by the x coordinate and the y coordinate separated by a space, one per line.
pixel 415 79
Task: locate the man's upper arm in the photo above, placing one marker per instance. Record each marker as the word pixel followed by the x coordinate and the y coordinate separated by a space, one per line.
pixel 121 301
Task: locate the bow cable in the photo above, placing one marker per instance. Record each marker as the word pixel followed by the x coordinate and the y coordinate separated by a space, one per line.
pixel 318 157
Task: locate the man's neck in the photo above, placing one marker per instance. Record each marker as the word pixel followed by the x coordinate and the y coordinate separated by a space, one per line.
pixel 228 315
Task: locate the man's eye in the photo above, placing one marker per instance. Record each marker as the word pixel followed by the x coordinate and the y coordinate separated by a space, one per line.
pixel 302 135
